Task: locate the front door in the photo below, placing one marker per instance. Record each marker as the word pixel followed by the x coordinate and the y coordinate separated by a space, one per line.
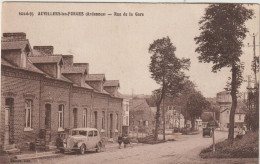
pixel 47 116
pixel 7 125
pixel 111 126
pixel 8 121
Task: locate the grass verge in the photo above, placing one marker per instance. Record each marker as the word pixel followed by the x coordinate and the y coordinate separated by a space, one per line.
pixel 246 147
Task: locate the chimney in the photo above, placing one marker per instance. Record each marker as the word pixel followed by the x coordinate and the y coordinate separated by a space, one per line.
pixel 67 60
pixel 46 50
pixel 85 65
pixel 15 35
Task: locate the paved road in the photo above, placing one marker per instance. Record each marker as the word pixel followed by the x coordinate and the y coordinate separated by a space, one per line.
pixel 184 151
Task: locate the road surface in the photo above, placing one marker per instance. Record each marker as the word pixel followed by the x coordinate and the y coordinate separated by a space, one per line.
pixel 184 150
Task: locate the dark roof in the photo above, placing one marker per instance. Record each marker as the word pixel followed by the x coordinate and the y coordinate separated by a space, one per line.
pixel 46 59
pixel 138 104
pixel 111 83
pixel 95 77
pixel 15 45
pixel 37 53
pixel 72 69
pixel 29 66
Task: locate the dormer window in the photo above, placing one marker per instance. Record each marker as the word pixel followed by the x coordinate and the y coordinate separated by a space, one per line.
pixel 58 71
pixel 23 59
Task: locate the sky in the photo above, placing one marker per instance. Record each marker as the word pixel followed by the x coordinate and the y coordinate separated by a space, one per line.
pixel 118 45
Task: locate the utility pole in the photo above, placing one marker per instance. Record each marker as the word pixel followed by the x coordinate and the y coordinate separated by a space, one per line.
pixel 253 100
pixel 254 58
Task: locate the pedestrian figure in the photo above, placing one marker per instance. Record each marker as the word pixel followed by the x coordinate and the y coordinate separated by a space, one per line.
pixel 120 140
pixel 126 141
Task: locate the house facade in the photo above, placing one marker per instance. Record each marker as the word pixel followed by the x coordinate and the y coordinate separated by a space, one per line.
pixel 44 95
pixel 224 102
pixel 141 116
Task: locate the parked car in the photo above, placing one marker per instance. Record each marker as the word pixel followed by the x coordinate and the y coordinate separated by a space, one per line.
pixel 82 139
pixel 207 132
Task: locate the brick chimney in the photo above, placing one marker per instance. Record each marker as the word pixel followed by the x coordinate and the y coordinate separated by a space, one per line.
pixel 67 60
pixel 85 65
pixel 46 50
pixel 15 35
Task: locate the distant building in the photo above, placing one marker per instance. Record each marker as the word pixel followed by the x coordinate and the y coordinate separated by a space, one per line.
pixel 125 128
pixel 173 118
pixel 224 101
pixel 141 116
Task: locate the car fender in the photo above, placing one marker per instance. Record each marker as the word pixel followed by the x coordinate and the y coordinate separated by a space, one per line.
pixel 81 143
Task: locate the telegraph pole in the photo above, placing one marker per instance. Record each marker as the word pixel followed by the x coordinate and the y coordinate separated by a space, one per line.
pixel 254 58
pixel 163 121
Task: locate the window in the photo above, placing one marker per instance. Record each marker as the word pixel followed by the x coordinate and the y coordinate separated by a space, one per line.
pixel 61 118
pixel 127 107
pixel 103 120
pixel 95 119
pixel 126 120
pixel 84 118
pixel 95 133
pixel 28 114
pixel 75 116
pixel 84 133
pixel 90 133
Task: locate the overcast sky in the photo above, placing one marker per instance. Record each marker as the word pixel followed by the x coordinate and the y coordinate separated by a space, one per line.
pixel 118 45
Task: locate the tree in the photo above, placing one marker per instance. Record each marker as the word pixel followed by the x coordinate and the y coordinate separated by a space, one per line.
pixel 167 70
pixel 220 42
pixel 195 105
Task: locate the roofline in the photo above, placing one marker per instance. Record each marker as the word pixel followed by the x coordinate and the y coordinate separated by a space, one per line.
pixel 18 68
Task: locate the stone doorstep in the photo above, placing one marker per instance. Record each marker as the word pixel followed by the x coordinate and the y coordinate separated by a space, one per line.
pixel 12 151
pixel 36 155
pixel 8 147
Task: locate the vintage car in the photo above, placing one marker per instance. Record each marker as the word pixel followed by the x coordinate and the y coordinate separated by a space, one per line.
pixel 207 132
pixel 81 140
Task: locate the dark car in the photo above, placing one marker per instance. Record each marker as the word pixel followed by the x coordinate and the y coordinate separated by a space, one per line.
pixel 207 132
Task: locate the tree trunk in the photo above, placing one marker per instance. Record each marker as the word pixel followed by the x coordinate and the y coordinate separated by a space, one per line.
pixel 192 124
pixel 234 103
pixel 157 116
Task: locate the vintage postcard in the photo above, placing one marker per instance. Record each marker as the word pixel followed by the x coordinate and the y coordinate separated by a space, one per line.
pixel 129 83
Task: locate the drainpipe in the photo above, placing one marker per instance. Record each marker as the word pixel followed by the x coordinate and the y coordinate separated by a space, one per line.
pixel 40 99
pixel 108 117
pixel 91 106
pixel 70 90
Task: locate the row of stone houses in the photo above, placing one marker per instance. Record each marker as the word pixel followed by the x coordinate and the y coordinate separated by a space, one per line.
pixel 44 94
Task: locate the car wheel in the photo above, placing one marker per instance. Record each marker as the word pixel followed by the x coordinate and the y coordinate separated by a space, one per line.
pixel 98 149
pixel 82 149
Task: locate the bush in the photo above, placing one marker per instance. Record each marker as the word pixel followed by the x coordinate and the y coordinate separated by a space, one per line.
pixel 246 147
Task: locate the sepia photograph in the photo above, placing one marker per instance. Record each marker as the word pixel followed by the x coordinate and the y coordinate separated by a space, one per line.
pixel 132 83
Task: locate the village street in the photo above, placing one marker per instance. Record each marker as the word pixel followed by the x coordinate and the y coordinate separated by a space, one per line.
pixel 184 150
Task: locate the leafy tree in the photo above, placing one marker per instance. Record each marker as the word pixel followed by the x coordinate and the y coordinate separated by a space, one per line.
pixel 220 42
pixel 167 70
pixel 252 120
pixel 195 105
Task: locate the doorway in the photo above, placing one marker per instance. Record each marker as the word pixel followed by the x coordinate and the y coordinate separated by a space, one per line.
pixel 9 121
pixel 47 116
pixel 111 126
